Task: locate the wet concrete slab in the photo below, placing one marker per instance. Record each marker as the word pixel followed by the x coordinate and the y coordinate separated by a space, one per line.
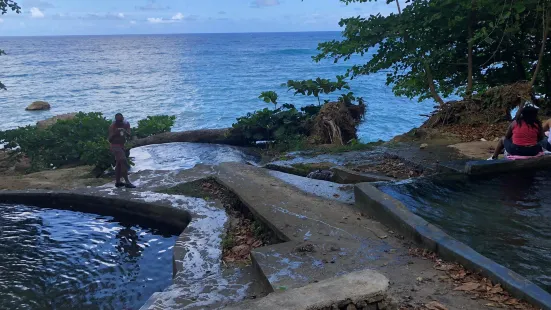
pixel 324 189
pixel 358 241
pixel 364 290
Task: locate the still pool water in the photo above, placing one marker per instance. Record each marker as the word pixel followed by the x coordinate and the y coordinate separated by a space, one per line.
pixel 506 218
pixel 55 259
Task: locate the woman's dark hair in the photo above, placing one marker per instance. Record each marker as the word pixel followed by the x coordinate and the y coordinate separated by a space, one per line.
pixel 530 117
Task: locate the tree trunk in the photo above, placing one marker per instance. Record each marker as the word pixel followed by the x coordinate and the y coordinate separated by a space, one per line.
pixel 546 24
pixel 428 72
pixel 521 71
pixel 215 136
pixel 399 9
pixel 470 56
pixel 432 87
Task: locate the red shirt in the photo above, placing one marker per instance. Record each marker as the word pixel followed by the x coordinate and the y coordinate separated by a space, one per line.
pixel 525 135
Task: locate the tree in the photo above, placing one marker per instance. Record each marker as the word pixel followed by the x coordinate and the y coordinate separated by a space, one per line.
pixel 5 6
pixel 437 48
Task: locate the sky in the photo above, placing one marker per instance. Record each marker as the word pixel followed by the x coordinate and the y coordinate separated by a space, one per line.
pixel 105 17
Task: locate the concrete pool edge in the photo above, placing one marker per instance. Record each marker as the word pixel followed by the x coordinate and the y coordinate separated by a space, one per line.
pixel 394 214
pixel 486 167
pixel 94 203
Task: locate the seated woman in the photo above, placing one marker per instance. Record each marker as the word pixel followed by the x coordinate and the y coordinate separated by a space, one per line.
pixel 523 135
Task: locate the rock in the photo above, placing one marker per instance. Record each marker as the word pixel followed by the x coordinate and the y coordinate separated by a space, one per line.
pixel 52 120
pixel 241 250
pixel 423 146
pixel 351 307
pixel 361 304
pixel 38 106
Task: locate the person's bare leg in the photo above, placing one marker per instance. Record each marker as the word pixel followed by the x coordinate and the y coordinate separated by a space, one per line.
pixel 118 167
pixel 124 172
pixel 499 148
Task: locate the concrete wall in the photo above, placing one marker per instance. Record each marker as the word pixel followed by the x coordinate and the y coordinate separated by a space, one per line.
pixel 394 214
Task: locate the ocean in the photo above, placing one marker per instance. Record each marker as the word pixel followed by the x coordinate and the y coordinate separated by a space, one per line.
pixel 206 80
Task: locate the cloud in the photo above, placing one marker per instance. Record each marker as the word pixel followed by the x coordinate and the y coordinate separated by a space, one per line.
pixel 38 4
pixel 103 16
pixel 132 22
pixel 222 13
pixel 156 20
pixel 152 5
pixel 174 19
pixel 178 16
pixel 1 20
pixel 36 13
pixel 264 3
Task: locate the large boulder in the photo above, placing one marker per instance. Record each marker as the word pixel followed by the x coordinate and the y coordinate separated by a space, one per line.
pixel 52 120
pixel 38 106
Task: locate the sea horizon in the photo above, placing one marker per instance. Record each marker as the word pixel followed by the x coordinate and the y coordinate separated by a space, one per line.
pixel 167 34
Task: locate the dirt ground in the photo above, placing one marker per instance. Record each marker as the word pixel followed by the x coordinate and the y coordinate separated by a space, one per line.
pixel 476 149
pixel 67 178
pixel 391 166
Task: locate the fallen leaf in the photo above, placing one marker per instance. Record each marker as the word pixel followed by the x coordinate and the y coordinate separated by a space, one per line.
pixel 496 289
pixel 433 305
pixel 511 302
pixel 444 267
pixel 491 304
pixel 467 287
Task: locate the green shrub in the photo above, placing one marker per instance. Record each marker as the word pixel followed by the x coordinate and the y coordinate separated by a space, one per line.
pixel 153 125
pixel 280 125
pixel 82 140
pixel 64 142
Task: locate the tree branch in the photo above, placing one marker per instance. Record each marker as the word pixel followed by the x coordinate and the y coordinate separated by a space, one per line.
pixel 546 23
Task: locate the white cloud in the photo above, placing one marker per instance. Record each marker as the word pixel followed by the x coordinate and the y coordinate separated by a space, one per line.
pixel 120 15
pixel 178 16
pixel 36 13
pixel 156 20
pixel 132 22
pixel 1 20
pixel 263 3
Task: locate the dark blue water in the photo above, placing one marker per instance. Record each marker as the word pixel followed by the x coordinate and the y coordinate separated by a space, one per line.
pixel 506 218
pixel 55 259
pixel 207 80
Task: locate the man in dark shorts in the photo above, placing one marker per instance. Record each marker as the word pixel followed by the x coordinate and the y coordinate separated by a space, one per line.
pixel 118 133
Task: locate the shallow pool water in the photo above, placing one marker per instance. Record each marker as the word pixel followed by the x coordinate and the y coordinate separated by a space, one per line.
pixel 57 259
pixel 505 218
pixel 178 156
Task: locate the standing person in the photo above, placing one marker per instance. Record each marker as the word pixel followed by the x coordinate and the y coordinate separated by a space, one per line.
pixel 119 131
pixel 523 135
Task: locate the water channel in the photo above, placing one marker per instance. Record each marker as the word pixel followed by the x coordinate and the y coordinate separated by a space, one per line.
pixel 506 218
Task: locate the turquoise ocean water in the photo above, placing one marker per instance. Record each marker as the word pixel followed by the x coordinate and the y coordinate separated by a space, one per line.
pixel 206 80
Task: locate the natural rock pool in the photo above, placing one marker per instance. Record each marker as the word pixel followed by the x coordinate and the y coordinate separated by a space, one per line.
pixel 57 259
pixel 505 218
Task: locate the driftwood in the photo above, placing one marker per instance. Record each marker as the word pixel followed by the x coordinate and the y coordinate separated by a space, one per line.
pixel 214 136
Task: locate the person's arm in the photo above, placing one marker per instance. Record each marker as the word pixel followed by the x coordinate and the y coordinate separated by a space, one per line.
pixel 128 130
pixel 509 133
pixel 112 133
pixel 519 111
pixel 546 125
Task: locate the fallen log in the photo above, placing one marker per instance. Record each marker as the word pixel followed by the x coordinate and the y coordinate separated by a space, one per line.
pixel 213 136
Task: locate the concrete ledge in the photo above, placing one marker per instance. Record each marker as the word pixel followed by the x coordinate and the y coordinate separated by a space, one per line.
pixel 347 176
pixel 393 213
pixel 174 219
pixel 368 287
pixel 481 167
